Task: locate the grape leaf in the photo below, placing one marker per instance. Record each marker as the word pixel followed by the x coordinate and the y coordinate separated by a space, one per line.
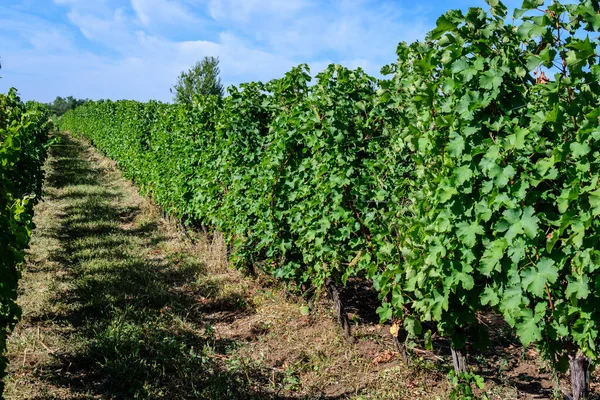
pixel 536 278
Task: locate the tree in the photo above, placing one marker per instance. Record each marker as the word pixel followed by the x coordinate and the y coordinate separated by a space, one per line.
pixel 61 105
pixel 203 78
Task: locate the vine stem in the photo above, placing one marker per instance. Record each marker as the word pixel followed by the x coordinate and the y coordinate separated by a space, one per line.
pixel 340 310
pixel 549 297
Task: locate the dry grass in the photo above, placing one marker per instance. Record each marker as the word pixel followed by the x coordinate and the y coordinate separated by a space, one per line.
pixel 119 304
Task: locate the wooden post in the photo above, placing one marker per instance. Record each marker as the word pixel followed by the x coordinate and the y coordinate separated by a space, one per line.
pixel 579 367
pixel 340 311
pixel 399 344
pixel 459 360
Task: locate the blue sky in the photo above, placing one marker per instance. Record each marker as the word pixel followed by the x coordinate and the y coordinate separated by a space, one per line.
pixel 136 48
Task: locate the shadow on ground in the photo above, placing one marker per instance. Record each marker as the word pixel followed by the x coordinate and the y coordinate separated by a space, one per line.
pixel 129 310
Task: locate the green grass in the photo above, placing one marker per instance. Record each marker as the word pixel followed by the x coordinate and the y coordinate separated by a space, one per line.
pixel 115 304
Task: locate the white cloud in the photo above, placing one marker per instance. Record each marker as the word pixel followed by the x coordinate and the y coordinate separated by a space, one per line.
pixel 51 40
pixel 161 11
pixel 18 28
pixel 124 51
pixel 306 30
pixel 246 10
pixel 111 31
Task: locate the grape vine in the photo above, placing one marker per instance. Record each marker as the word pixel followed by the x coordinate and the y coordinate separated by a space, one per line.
pixel 466 182
pixel 23 144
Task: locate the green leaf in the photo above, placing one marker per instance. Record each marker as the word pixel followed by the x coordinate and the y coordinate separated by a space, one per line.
pixel 532 4
pixel 517 139
pixel 385 97
pixel 492 255
pixel 536 278
pixel 438 305
pixel 465 280
pixel 427 339
pixel 528 329
pixel 443 25
pixel 517 222
pixel 456 145
pixel 498 9
pixel 528 31
pixel 579 150
pixel 490 80
pixel 412 326
pixel 530 222
pixel 545 167
pixel 583 50
pixel 572 59
pixel 460 65
pixel 594 200
pixel 578 287
pixel 505 176
pixel 463 174
pixel 518 13
pixel 385 312
pixel 467 232
pixel 566 196
pixel 511 299
pixel 446 192
pixel 489 297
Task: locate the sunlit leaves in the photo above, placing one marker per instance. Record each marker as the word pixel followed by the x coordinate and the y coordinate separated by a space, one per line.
pixel 492 256
pixel 530 4
pixel 467 233
pixel 536 278
pixel 517 222
pixel 508 172
pixel 443 25
pixel 579 150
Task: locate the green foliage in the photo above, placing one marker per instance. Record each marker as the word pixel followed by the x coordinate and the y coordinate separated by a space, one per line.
pixel 23 138
pixel 259 166
pixel 201 79
pixel 503 211
pixel 463 385
pixel 61 105
pixel 468 181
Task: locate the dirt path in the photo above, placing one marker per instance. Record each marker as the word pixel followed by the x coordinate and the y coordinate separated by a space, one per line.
pixel 110 295
pixel 116 304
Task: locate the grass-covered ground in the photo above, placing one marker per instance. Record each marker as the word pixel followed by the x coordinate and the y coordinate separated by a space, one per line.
pixel 111 297
pixel 117 303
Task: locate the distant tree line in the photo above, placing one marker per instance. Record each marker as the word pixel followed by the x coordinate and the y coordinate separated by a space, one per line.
pixel 201 79
pixel 61 105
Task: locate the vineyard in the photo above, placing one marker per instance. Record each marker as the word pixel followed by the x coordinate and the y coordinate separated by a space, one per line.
pixel 466 182
pixel 23 144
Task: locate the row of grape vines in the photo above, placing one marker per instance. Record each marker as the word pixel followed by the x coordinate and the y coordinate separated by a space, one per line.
pixel 468 181
pixel 24 132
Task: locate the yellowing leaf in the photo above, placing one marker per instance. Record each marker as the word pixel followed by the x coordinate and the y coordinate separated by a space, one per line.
pixel 394 329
